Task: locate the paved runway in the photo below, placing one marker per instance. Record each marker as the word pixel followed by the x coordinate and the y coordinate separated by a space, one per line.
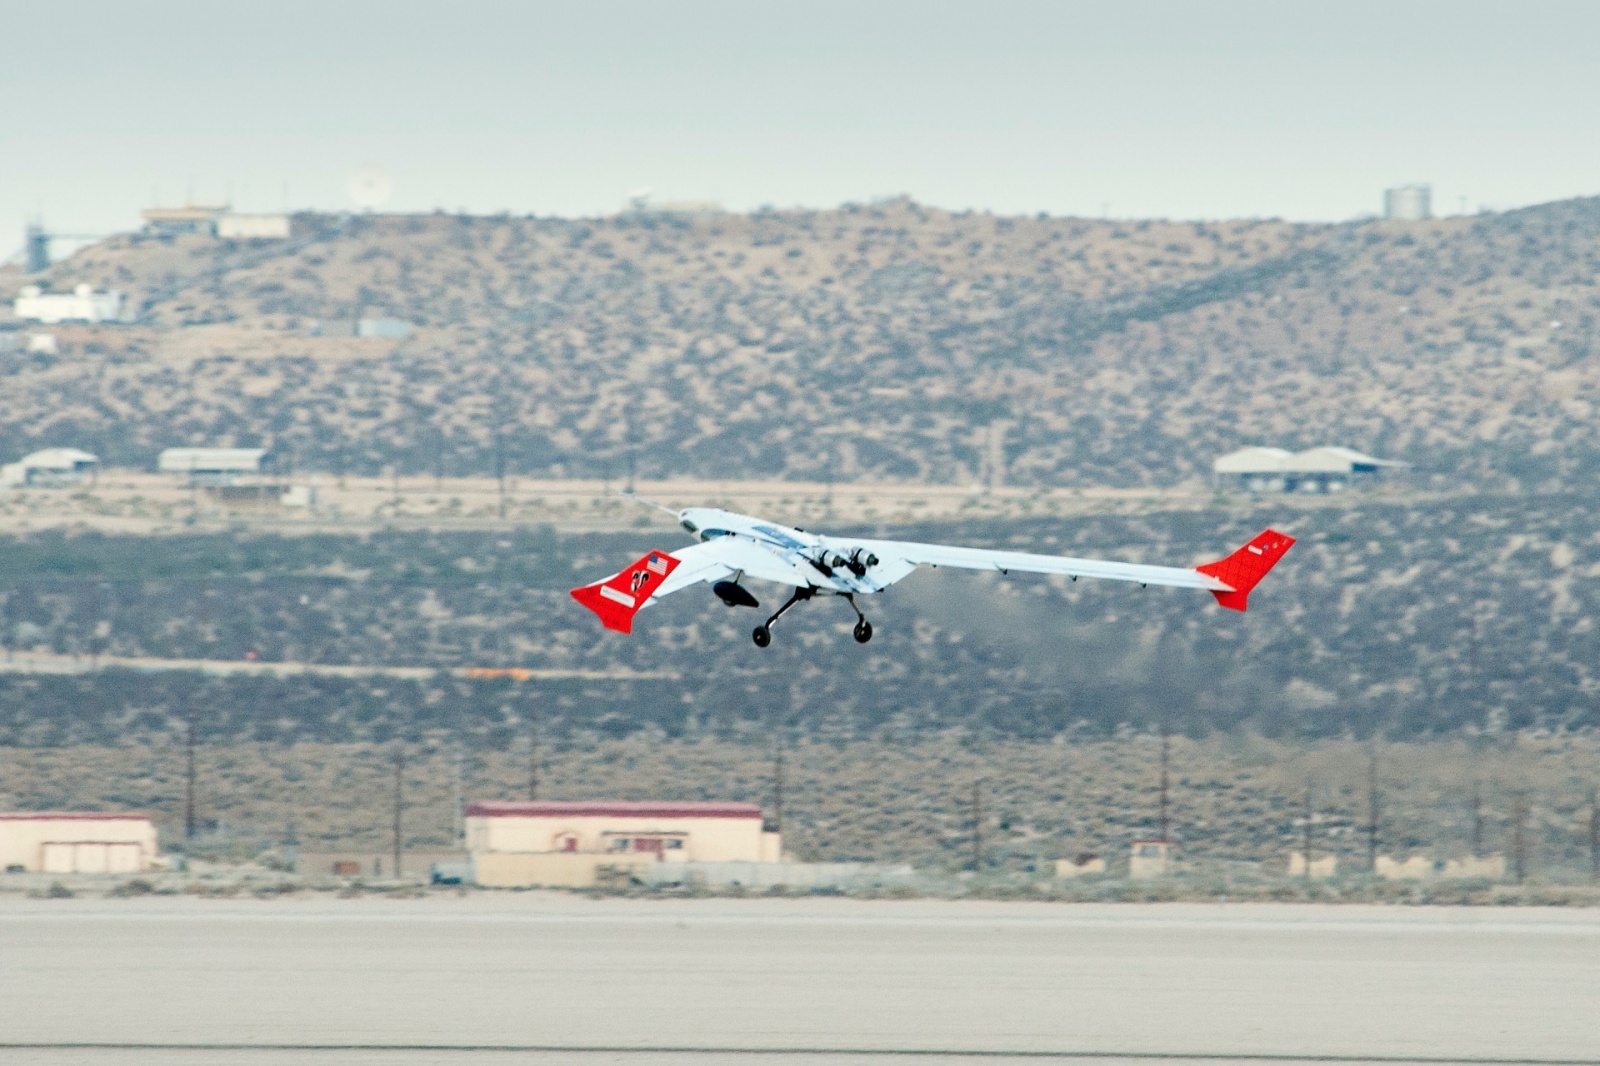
pixel 793 983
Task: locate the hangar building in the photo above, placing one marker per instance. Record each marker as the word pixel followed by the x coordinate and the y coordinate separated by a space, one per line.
pixel 211 466
pixel 49 466
pixel 1326 469
pixel 83 842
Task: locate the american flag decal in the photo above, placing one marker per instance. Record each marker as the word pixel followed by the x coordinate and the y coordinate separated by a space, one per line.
pixel 656 565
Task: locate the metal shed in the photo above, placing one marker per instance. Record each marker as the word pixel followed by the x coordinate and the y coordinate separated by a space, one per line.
pixel 218 466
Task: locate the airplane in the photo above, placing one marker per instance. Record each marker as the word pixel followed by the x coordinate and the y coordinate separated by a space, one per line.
pixel 734 546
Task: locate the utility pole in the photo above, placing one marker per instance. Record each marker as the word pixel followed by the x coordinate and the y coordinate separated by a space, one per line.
pixel 1310 815
pixel 1372 807
pixel 1166 745
pixel 977 825
pixel 533 751
pixel 1519 836
pixel 188 786
pixel 777 778
pixel 1477 818
pixel 460 827
pixel 399 801
pixel 500 464
pixel 1594 835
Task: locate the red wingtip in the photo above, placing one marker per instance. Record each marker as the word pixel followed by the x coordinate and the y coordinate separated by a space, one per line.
pixel 619 597
pixel 1242 570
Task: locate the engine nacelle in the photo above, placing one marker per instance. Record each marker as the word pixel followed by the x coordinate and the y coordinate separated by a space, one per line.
pixel 858 562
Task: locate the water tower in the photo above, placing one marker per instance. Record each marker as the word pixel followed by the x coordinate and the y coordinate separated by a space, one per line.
pixel 1408 203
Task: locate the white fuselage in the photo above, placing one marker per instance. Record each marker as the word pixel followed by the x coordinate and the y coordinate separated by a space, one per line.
pixel 829 563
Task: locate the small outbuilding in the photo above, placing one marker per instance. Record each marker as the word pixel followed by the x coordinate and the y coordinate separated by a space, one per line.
pixel 395 329
pixel 1149 858
pixel 49 466
pixel 1321 868
pixel 82 842
pixel 1487 867
pixel 82 304
pixel 191 218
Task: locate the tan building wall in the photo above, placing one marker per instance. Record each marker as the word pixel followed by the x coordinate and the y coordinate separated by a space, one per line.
pixel 664 832
pixel 72 842
pixel 1492 867
pixel 1324 867
pixel 1415 868
pixel 372 863
pixel 553 869
pixel 1081 866
pixel 252 226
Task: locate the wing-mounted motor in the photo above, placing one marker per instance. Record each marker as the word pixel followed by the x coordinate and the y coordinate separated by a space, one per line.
pixel 619 597
pixel 858 562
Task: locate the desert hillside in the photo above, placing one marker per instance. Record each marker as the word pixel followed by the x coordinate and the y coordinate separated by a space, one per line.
pixel 1408 619
pixel 891 341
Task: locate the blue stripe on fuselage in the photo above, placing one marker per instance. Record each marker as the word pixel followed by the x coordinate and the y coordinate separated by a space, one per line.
pixel 779 537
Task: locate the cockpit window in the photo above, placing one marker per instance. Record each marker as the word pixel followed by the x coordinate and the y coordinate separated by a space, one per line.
pixel 707 534
pixel 690 526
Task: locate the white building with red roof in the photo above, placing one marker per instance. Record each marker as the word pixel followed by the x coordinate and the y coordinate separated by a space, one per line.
pixel 83 842
pixel 557 842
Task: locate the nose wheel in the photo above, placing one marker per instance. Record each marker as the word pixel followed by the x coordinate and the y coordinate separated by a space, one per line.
pixel 761 635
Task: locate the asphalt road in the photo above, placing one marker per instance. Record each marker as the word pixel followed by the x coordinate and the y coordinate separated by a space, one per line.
pixel 561 979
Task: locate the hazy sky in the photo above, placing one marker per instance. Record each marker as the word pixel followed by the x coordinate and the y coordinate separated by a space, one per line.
pixel 1137 107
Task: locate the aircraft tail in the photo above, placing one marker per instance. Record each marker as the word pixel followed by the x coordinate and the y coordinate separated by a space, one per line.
pixel 1245 568
pixel 619 597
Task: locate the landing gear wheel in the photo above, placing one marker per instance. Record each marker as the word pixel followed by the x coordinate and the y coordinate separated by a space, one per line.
pixel 763 636
pixel 863 631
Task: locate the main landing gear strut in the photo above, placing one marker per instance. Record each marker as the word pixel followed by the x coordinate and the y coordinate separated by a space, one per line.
pixel 762 634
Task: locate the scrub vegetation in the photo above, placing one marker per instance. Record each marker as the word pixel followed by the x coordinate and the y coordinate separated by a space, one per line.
pixel 889 341
pixel 1469 615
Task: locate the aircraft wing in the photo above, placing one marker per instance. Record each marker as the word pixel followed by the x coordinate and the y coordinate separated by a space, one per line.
pixel 624 594
pixel 1229 580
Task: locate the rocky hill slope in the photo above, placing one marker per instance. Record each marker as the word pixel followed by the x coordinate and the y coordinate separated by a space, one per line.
pixel 888 341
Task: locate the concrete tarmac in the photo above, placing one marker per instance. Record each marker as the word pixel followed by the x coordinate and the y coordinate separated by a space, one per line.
pixel 531 977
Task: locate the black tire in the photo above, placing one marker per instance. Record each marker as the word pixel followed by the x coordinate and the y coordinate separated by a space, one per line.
pixel 761 635
pixel 863 631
